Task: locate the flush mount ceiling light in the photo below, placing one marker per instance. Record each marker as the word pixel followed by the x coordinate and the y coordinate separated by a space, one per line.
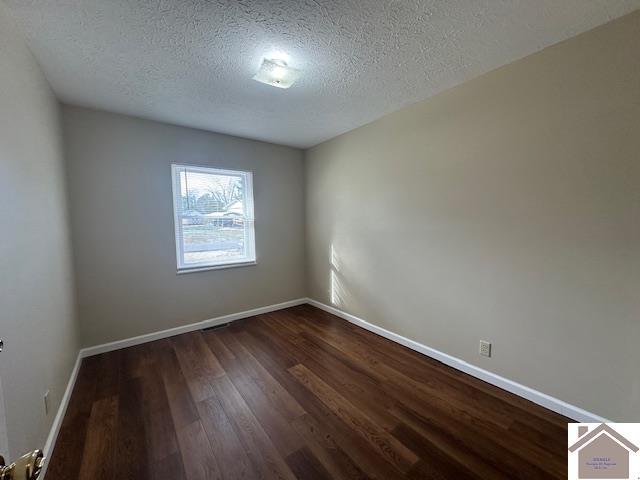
pixel 277 73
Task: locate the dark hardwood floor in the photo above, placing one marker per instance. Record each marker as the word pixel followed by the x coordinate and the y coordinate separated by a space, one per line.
pixel 298 393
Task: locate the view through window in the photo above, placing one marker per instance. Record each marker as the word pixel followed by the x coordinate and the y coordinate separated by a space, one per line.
pixel 213 217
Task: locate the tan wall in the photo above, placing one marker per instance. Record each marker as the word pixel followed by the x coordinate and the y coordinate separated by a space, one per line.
pixel 505 209
pixel 36 290
pixel 122 221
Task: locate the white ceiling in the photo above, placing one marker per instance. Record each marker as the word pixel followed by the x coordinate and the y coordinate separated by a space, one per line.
pixel 190 62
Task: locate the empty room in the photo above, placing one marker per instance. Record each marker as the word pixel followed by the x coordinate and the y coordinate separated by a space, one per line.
pixel 319 239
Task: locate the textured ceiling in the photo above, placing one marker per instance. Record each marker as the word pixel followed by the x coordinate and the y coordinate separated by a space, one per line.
pixel 190 62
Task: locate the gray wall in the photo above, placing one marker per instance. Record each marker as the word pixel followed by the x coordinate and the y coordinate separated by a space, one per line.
pixel 505 209
pixel 119 180
pixel 36 291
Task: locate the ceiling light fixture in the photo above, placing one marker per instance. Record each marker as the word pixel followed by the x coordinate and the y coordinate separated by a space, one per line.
pixel 277 73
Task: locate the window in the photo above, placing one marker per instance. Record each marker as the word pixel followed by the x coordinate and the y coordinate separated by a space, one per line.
pixel 213 212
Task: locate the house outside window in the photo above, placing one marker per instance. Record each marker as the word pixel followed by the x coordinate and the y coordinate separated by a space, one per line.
pixel 213 215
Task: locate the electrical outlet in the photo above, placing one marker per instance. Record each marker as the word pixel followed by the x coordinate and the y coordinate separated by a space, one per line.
pixel 485 348
pixel 46 403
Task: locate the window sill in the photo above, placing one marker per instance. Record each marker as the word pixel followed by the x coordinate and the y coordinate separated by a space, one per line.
pixel 182 271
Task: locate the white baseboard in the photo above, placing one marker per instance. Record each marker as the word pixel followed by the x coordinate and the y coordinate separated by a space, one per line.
pixel 57 421
pixel 535 396
pixel 212 322
pixel 129 342
pixel 523 391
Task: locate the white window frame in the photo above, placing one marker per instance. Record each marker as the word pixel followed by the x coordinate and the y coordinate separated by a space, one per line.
pixel 250 258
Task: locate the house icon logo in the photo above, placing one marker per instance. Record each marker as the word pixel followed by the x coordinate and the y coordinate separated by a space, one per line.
pixel 604 451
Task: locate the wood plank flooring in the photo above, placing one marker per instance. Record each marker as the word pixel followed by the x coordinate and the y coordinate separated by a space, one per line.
pixel 297 393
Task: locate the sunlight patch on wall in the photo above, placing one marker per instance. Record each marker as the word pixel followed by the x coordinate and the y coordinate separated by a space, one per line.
pixel 335 286
pixel 335 263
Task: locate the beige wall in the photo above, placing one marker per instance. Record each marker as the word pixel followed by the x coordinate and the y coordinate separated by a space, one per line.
pixel 505 209
pixel 36 291
pixel 122 221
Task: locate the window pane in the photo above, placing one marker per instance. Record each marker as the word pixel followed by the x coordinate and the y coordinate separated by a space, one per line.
pixel 211 242
pixel 214 216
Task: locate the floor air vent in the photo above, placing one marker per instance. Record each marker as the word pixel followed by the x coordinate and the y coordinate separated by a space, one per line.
pixel 216 327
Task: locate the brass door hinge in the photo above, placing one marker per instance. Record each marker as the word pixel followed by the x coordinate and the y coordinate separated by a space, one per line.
pixel 27 467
